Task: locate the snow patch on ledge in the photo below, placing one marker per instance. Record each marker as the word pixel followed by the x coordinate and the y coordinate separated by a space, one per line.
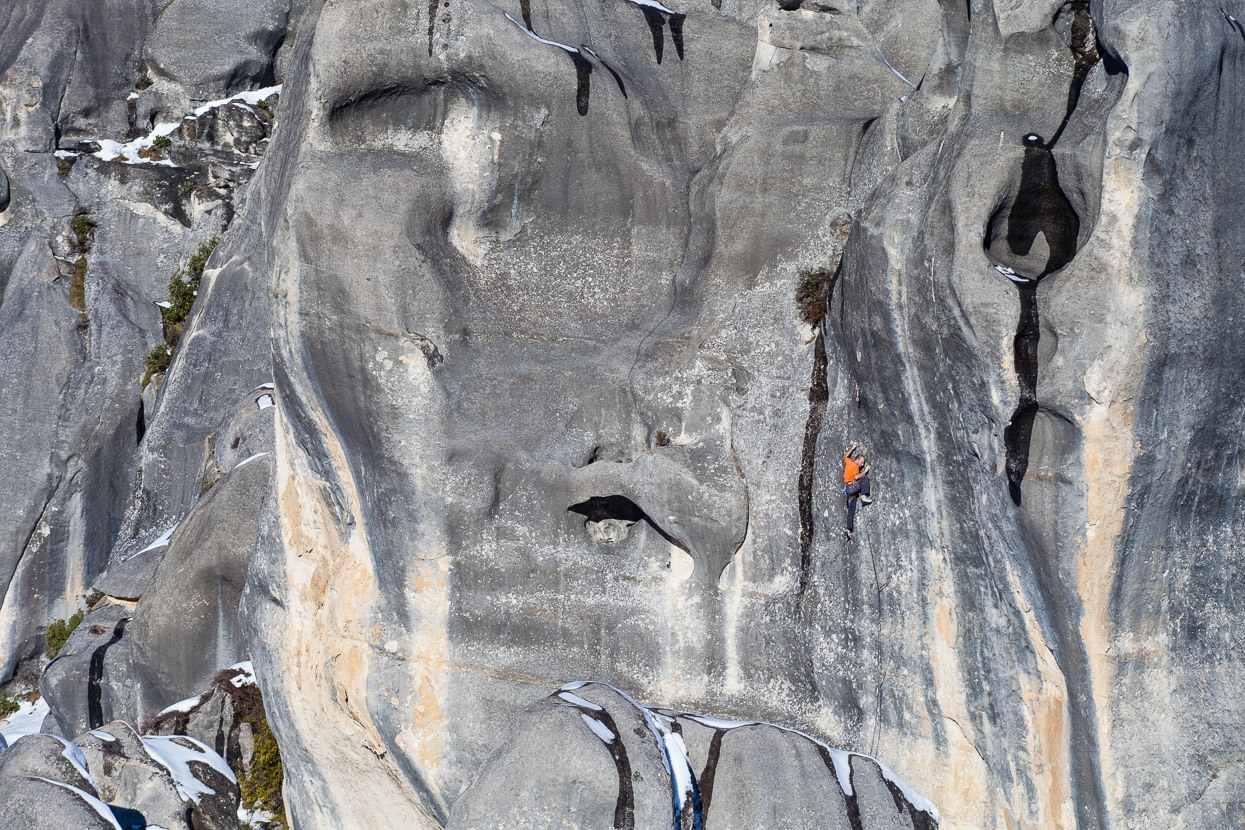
pixel 27 720
pixel 246 461
pixel 176 757
pixel 164 539
pixel 679 766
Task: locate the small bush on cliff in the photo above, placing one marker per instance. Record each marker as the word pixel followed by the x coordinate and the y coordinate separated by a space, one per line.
pixel 163 142
pixel 58 633
pixel 8 705
pixel 83 227
pixel 261 785
pixel 184 285
pixel 812 294
pixel 77 285
pixel 158 359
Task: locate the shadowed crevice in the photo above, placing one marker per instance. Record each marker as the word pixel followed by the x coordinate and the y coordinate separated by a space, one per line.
pixel 95 677
pixel 623 509
pixel 1017 436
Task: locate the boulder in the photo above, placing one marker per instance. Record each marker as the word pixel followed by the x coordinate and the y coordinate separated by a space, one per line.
pixel 174 782
pixel 36 803
pixel 196 589
pixel 587 756
pixel 90 683
pixel 50 757
pixel 45 785
pixel 215 48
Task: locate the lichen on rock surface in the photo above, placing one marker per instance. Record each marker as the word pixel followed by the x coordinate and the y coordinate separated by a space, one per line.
pixel 530 350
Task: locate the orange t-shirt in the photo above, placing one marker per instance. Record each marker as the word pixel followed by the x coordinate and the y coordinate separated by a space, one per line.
pixel 850 470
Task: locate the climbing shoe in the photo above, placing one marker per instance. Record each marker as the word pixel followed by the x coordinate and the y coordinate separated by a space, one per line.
pixel 866 500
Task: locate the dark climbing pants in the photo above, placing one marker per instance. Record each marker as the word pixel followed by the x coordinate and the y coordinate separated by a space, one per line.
pixel 860 487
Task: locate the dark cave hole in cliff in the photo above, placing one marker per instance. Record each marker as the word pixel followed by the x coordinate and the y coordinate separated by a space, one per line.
pixel 600 508
pixel 1040 210
pixel 1017 435
pixel 623 509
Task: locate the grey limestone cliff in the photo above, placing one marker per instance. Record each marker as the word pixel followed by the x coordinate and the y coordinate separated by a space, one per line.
pixel 554 319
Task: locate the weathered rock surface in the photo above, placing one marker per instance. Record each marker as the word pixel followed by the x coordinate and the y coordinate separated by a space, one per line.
pixel 195 593
pixel 45 785
pixel 77 310
pixel 89 683
pixel 569 312
pixel 113 778
pixel 588 757
pixel 172 782
pixel 39 803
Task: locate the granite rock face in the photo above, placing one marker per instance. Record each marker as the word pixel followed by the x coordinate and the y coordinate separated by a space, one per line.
pixel 565 314
pixel 113 778
pixel 588 756
pixel 172 782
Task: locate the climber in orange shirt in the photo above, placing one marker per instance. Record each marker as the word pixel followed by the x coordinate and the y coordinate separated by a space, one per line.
pixel 856 484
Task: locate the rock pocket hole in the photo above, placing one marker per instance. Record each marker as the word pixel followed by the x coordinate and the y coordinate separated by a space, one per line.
pixel 609 519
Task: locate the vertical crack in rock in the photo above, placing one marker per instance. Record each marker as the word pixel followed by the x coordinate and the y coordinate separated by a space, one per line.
pixel 656 25
pixel 583 70
pixel 617 78
pixel 1017 435
pixel 849 799
pixel 657 16
pixel 1041 236
pixel 1083 41
pixel 676 33
pixel 818 398
pixel 705 780
pixel 140 425
pixel 813 298
pixel 624 805
pixel 432 23
pixel 920 819
pixel 525 9
pixel 94 691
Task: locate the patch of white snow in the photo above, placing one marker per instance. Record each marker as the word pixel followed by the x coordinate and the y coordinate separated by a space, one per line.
pixel 246 461
pixel 176 757
pixel 652 4
pixel 184 706
pixel 538 38
pixel 74 755
pixel 162 541
pixel 264 402
pixel 247 678
pixel 253 97
pixel 27 720
pixel 576 700
pixel 599 729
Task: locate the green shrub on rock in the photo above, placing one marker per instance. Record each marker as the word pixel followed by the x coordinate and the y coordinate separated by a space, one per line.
pixel 8 705
pixel 261 784
pixel 158 359
pixel 184 285
pixel 83 226
pixel 58 633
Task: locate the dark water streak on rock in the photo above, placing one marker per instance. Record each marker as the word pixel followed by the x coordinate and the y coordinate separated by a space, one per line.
pixel 94 690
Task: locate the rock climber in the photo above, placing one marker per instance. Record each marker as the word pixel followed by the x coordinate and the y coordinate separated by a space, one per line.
pixel 856 484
